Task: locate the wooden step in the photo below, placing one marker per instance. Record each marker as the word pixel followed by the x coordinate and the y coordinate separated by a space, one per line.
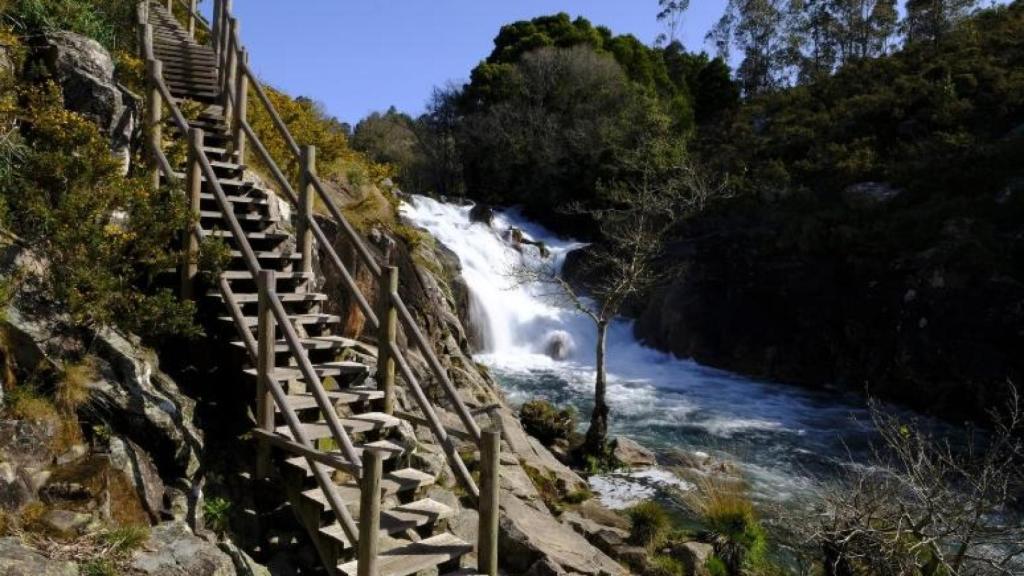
pixel 268 255
pixel 314 343
pixel 357 424
pixel 323 370
pixel 391 483
pixel 234 198
pixel 425 512
pixel 338 398
pixel 242 217
pixel 296 319
pixel 246 275
pixel 243 298
pixel 416 556
pixel 251 236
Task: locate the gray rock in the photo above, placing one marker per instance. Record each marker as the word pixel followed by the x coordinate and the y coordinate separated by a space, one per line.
pixel 607 538
pixel 632 454
pixel 138 466
pixel 870 194
pixel 145 404
pixel 529 535
pixel 244 564
pixel 694 556
pixel 174 549
pixel 85 72
pixel 18 560
pixel 65 523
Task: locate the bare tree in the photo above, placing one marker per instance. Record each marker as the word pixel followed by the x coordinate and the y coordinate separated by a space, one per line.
pixel 625 263
pixel 670 13
pixel 929 505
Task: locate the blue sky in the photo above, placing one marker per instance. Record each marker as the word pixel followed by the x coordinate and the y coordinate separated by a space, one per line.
pixel 356 56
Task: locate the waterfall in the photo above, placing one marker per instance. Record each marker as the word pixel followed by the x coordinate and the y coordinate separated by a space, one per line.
pixel 779 436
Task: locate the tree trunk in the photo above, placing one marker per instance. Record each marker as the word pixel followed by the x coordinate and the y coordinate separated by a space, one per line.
pixel 597 434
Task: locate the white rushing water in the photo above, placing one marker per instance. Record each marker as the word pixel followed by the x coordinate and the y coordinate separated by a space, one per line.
pixel 782 438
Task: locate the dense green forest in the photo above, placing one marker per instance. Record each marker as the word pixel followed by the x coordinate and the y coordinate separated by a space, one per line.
pixel 869 230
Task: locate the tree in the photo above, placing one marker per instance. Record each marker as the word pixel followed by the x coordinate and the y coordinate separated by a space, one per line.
pixel 569 119
pixel 671 15
pixel 437 134
pixel 930 20
pixel 625 263
pixel 930 506
pixel 758 28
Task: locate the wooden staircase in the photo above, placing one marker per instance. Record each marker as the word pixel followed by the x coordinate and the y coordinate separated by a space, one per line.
pixel 327 431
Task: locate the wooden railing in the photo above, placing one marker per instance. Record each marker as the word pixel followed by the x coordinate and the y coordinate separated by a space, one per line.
pixel 236 81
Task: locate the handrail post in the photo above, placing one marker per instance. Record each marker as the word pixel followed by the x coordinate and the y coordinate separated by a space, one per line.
pixel 388 331
pixel 231 68
pixel 369 513
pixel 306 192
pixel 192 19
pixel 225 30
pixel 487 539
pixel 265 333
pixel 218 7
pixel 241 106
pixel 194 181
pixel 154 116
pixel 170 7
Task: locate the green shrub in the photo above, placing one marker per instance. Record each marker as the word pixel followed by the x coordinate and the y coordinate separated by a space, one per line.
pixel 215 513
pixel 733 526
pixel 716 567
pixel 662 565
pixel 649 523
pixel 545 422
pixel 104 236
pixel 109 22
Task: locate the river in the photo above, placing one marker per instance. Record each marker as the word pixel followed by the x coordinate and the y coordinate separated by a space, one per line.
pixel 784 440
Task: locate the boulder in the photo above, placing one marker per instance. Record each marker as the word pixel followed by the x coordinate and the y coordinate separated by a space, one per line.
pixel 482 214
pixel 870 194
pixel 16 559
pixel 694 556
pixel 85 72
pixel 607 538
pixel 632 454
pixel 174 549
pixel 138 467
pixel 529 535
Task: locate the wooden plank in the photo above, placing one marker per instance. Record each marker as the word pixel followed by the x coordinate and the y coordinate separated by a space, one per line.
pixel 404 480
pixel 358 424
pixel 244 298
pixel 420 421
pixel 338 398
pixel 315 343
pixel 398 519
pixel 416 556
pixel 323 370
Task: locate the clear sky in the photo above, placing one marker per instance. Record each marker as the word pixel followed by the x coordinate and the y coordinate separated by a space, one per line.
pixel 357 56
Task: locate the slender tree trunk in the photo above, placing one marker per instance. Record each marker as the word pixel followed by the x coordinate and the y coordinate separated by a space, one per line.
pixel 597 434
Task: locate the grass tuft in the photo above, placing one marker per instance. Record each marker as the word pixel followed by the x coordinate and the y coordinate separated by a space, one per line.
pixel 649 524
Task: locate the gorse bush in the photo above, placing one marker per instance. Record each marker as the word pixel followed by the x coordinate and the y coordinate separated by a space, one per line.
pixel 104 236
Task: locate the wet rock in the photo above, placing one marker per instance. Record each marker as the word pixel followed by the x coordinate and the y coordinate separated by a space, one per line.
pixel 174 549
pixel 16 559
pixel 483 214
pixel 632 454
pixel 559 345
pixel 529 535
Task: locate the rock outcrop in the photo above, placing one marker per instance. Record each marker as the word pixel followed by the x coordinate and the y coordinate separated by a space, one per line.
pixel 16 559
pixel 174 549
pixel 85 72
